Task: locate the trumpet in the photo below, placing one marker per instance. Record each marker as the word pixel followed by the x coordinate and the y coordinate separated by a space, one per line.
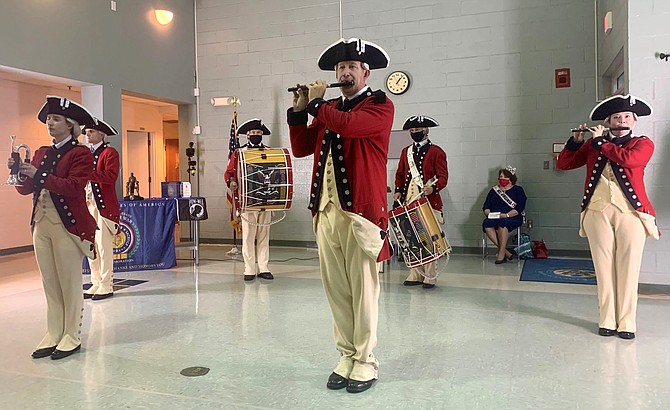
pixel 606 129
pixel 331 85
pixel 15 178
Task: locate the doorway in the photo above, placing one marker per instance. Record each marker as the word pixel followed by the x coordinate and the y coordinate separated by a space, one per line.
pixel 147 125
pixel 172 160
pixel 139 160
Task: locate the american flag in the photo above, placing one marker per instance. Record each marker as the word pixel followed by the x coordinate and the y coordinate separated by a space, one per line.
pixel 233 144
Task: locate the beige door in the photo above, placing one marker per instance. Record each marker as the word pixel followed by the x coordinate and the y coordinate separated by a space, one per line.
pixel 171 160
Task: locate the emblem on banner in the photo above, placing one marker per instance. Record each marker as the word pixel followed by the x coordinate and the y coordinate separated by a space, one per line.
pixel 127 241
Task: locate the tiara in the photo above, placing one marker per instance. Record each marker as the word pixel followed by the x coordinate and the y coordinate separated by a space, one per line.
pixel 511 169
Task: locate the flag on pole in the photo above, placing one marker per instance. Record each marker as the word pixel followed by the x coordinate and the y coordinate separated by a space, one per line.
pixel 233 144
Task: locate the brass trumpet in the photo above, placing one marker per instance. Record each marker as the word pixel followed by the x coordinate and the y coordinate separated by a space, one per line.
pixel 14 177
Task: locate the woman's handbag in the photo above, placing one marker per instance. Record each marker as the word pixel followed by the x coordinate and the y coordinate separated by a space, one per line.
pixel 540 250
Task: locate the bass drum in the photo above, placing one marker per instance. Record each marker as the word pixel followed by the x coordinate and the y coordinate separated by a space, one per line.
pixel 265 179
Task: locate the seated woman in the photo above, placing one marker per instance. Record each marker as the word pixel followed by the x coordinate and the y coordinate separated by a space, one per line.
pixel 503 208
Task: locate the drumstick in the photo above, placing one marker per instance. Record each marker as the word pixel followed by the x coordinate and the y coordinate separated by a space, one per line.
pixel 431 181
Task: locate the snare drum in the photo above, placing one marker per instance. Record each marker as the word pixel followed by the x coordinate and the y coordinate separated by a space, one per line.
pixel 265 179
pixel 420 238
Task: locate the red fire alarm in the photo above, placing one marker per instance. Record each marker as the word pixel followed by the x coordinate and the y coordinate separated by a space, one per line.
pixel 562 77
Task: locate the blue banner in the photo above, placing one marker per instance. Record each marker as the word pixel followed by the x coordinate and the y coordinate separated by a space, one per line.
pixel 146 237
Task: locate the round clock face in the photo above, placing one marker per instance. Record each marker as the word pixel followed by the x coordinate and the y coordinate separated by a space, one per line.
pixel 397 82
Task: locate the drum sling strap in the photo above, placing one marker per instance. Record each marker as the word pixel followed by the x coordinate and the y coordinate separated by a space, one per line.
pixel 416 175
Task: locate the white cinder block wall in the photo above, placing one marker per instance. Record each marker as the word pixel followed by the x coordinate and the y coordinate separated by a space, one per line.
pixel 649 79
pixel 483 68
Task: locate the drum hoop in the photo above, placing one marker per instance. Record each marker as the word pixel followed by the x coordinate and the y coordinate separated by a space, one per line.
pixel 269 224
pixel 420 200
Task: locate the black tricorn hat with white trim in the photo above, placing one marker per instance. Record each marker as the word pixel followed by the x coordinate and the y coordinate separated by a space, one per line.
pixel 353 49
pixel 620 103
pixel 419 121
pixel 65 107
pixel 253 124
pixel 101 126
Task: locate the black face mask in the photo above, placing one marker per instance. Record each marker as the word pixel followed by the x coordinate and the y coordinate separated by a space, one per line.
pixel 417 136
pixel 255 139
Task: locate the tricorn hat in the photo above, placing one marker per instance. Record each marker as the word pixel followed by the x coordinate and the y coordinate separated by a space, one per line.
pixel 253 124
pixel 620 103
pixel 65 107
pixel 353 49
pixel 419 121
pixel 101 126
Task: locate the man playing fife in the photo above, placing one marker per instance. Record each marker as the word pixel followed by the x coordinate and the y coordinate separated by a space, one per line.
pixel 349 138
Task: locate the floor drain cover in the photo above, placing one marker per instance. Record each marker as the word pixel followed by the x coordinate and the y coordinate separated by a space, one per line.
pixel 194 371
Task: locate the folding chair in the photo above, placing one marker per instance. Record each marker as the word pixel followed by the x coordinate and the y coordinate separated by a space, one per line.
pixel 513 233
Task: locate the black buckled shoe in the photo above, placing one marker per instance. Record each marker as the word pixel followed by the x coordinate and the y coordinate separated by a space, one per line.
pixel 412 283
pixel 102 296
pixel 43 352
pixel 266 275
pixel 249 278
pixel 336 382
pixel 627 335
pixel 356 386
pixel 606 332
pixel 88 295
pixel 62 354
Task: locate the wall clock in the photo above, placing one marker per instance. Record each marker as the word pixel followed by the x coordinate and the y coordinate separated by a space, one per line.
pixel 398 82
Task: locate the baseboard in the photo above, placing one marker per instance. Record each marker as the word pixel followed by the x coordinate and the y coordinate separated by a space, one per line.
pixel 19 249
pixel 289 244
pixel 570 253
pixel 563 253
pixel 457 250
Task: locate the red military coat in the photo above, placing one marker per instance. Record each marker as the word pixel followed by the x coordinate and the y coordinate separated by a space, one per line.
pixel 357 133
pixel 106 167
pixel 629 156
pixel 432 162
pixel 64 173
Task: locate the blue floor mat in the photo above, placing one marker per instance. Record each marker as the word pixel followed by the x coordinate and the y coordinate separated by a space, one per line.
pixel 579 271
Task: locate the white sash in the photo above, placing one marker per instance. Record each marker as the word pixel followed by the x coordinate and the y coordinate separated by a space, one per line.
pixel 504 196
pixel 416 175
